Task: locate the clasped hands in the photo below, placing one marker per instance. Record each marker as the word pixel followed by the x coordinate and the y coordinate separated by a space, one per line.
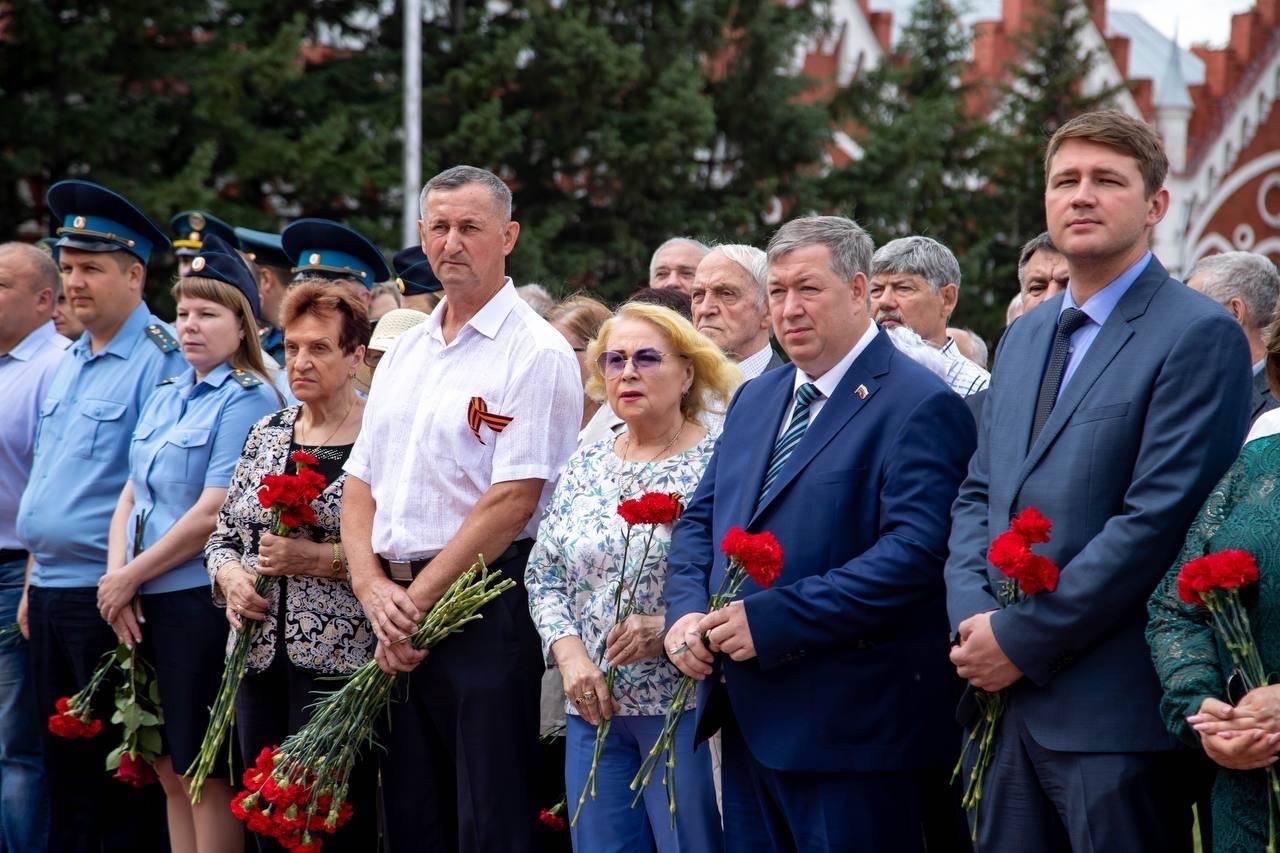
pixel 978 658
pixel 726 630
pixel 1245 736
pixel 637 637
pixel 117 591
pixel 394 616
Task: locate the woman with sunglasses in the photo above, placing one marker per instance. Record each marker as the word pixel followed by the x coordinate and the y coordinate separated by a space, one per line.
pixel 657 372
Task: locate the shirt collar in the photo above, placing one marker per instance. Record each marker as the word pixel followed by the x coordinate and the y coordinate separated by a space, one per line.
pixel 1101 304
pixel 828 382
pixel 121 346
pixel 33 342
pixel 488 320
pixel 214 379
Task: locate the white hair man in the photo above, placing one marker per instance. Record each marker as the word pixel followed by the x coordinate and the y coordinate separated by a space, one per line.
pixel 1247 285
pixel 731 306
pixel 915 282
pixel 674 263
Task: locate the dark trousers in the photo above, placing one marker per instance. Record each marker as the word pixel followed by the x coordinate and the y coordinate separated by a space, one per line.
pixel 274 704
pixel 459 762
pixel 771 811
pixel 91 811
pixel 1036 800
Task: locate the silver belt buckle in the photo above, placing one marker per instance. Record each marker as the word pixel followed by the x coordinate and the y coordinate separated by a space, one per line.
pixel 401 570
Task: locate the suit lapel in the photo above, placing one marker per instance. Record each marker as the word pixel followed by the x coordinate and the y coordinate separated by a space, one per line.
pixel 779 402
pixel 857 387
pixel 1113 336
pixel 1023 403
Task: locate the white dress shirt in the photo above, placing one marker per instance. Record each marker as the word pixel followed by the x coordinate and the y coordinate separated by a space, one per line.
pixel 829 381
pixel 963 376
pixel 424 465
pixel 754 365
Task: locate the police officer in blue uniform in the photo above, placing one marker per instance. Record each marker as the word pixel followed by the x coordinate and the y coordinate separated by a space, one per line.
pixel 267 254
pixel 184 450
pixel 189 229
pixel 321 248
pixel 415 278
pixel 79 467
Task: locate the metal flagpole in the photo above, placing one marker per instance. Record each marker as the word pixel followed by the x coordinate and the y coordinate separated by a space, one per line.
pixel 412 119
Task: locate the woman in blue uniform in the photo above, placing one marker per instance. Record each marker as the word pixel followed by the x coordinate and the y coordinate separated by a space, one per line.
pixel 184 450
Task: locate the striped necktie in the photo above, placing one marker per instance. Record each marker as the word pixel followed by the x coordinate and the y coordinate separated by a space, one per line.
pixel 805 395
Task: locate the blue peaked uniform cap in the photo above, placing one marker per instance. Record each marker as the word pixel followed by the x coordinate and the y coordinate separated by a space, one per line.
pixel 219 261
pixel 263 247
pixel 330 249
pixel 95 219
pixel 414 275
pixel 191 227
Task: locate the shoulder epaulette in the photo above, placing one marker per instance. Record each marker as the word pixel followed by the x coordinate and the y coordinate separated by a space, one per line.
pixel 160 336
pixel 245 378
pixel 170 380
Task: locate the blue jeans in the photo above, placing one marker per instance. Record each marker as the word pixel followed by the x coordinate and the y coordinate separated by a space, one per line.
pixel 608 823
pixel 24 794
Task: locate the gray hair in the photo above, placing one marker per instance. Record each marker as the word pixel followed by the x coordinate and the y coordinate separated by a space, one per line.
pixel 920 351
pixel 980 350
pixel 536 297
pixel 751 259
pixel 675 241
pixel 916 255
pixel 460 176
pixel 44 274
pixel 1250 277
pixel 385 288
pixel 1035 244
pixel 850 246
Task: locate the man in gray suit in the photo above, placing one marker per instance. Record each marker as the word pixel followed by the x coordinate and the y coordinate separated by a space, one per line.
pixel 1110 415
pixel 730 306
pixel 1247 285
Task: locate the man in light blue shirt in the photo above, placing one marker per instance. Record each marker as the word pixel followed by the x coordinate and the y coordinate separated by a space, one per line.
pixel 81 458
pixel 30 350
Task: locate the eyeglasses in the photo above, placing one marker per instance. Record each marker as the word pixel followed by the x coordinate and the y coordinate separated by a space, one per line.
pixel 612 362
pixel 372 357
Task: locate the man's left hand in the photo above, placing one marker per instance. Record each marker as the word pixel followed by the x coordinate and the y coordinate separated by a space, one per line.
pixel 979 659
pixel 727 631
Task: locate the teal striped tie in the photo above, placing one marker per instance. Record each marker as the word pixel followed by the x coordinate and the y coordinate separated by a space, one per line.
pixel 805 395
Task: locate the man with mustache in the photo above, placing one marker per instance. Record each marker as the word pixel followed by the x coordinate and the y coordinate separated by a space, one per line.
pixel 915 282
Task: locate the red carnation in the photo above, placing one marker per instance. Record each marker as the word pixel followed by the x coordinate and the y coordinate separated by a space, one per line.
pixel 1221 571
pixel 759 554
pixel 651 508
pixel 1031 526
pixel 1008 553
pixel 555 821
pixel 70 723
pixel 137 773
pixel 301 457
pixel 1038 574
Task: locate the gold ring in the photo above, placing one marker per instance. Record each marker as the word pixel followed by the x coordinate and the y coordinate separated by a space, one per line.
pixel 590 694
pixel 579 700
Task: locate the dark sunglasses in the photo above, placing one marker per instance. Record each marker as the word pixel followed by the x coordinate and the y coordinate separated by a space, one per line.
pixel 612 362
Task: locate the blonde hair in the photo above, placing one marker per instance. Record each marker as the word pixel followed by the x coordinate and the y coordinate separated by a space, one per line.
pixel 714 376
pixel 248 355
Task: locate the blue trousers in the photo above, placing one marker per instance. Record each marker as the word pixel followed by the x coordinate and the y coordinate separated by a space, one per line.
pixel 608 824
pixel 24 793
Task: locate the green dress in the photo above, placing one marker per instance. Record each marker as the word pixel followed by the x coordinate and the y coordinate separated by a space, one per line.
pixel 1242 512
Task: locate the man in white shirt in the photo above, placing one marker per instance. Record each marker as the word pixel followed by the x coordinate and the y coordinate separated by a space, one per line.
pixel 427 491
pixel 915 282
pixel 731 306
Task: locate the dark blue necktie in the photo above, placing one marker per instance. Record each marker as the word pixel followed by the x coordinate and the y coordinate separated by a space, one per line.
pixel 805 395
pixel 1070 320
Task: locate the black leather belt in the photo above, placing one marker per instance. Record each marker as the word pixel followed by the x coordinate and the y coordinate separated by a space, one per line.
pixel 13 555
pixel 404 571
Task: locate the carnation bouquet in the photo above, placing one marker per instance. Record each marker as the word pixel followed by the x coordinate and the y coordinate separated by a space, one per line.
pixel 750 555
pixel 299 789
pixel 289 498
pixel 1214 582
pixel 648 510
pixel 1026 573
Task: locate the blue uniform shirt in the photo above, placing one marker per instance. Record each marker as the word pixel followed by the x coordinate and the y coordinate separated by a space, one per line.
pixel 81 456
pixel 188 439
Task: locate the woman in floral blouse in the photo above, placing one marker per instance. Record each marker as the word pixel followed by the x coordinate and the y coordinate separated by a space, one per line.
pixel 656 371
pixel 313 626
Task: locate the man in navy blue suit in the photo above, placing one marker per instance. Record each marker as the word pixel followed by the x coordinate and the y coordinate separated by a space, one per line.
pixel 1114 409
pixel 831 687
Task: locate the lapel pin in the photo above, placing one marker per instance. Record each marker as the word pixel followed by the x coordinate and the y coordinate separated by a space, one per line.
pixel 861 391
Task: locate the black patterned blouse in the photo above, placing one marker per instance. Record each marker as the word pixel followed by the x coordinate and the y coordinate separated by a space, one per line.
pixel 325 629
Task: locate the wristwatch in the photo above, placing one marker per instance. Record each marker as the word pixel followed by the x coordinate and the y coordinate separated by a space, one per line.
pixel 336 565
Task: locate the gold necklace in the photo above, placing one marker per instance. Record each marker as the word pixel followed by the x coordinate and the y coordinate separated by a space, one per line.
pixel 329 437
pixel 623 485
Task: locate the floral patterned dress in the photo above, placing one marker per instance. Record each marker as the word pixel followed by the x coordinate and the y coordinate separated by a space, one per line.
pixel 576 564
pixel 1243 512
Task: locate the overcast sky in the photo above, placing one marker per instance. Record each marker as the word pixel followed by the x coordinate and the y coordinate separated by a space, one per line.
pixel 1195 20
